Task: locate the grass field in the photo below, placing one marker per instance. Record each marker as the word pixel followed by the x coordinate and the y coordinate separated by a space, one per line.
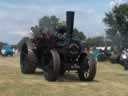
pixel 111 80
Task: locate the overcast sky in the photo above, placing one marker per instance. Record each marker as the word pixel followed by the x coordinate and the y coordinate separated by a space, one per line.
pixel 17 16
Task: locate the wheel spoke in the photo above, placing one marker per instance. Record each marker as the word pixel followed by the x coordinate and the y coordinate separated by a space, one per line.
pixel 86 74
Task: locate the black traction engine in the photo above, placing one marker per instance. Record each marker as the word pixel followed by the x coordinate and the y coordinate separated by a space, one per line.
pixel 56 54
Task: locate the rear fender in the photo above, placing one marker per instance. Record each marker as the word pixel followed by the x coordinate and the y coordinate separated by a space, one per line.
pixel 83 55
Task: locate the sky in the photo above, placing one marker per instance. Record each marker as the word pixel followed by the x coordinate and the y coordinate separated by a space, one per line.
pixel 17 16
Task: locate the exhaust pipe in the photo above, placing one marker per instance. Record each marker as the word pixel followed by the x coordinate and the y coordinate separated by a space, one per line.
pixel 70 23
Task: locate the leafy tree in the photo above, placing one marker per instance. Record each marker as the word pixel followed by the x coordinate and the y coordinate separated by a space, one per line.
pixel 117 25
pixel 36 30
pixel 2 44
pixel 79 35
pixel 97 41
pixel 48 24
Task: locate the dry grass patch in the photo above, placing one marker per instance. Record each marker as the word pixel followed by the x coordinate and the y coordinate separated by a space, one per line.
pixel 111 80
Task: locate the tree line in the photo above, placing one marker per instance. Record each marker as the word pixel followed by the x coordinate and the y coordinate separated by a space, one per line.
pixel 116 22
pixel 51 23
pixel 117 26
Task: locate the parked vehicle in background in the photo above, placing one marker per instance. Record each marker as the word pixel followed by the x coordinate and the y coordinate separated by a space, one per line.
pixel 7 50
pixel 124 58
pixel 101 53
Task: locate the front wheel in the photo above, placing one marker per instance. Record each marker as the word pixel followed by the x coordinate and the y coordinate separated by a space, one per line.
pixel 88 72
pixel 52 68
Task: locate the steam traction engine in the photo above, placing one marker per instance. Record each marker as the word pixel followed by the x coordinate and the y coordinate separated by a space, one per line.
pixel 55 55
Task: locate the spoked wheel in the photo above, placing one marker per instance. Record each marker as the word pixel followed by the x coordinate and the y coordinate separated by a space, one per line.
pixel 51 71
pixel 87 69
pixel 28 60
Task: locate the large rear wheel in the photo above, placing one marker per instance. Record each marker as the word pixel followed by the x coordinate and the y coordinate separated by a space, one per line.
pixel 87 69
pixel 28 60
pixel 51 71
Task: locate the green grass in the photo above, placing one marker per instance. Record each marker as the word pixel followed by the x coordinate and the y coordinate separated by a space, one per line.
pixel 111 80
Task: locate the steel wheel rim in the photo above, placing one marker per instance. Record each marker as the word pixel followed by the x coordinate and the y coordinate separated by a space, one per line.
pixel 87 72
